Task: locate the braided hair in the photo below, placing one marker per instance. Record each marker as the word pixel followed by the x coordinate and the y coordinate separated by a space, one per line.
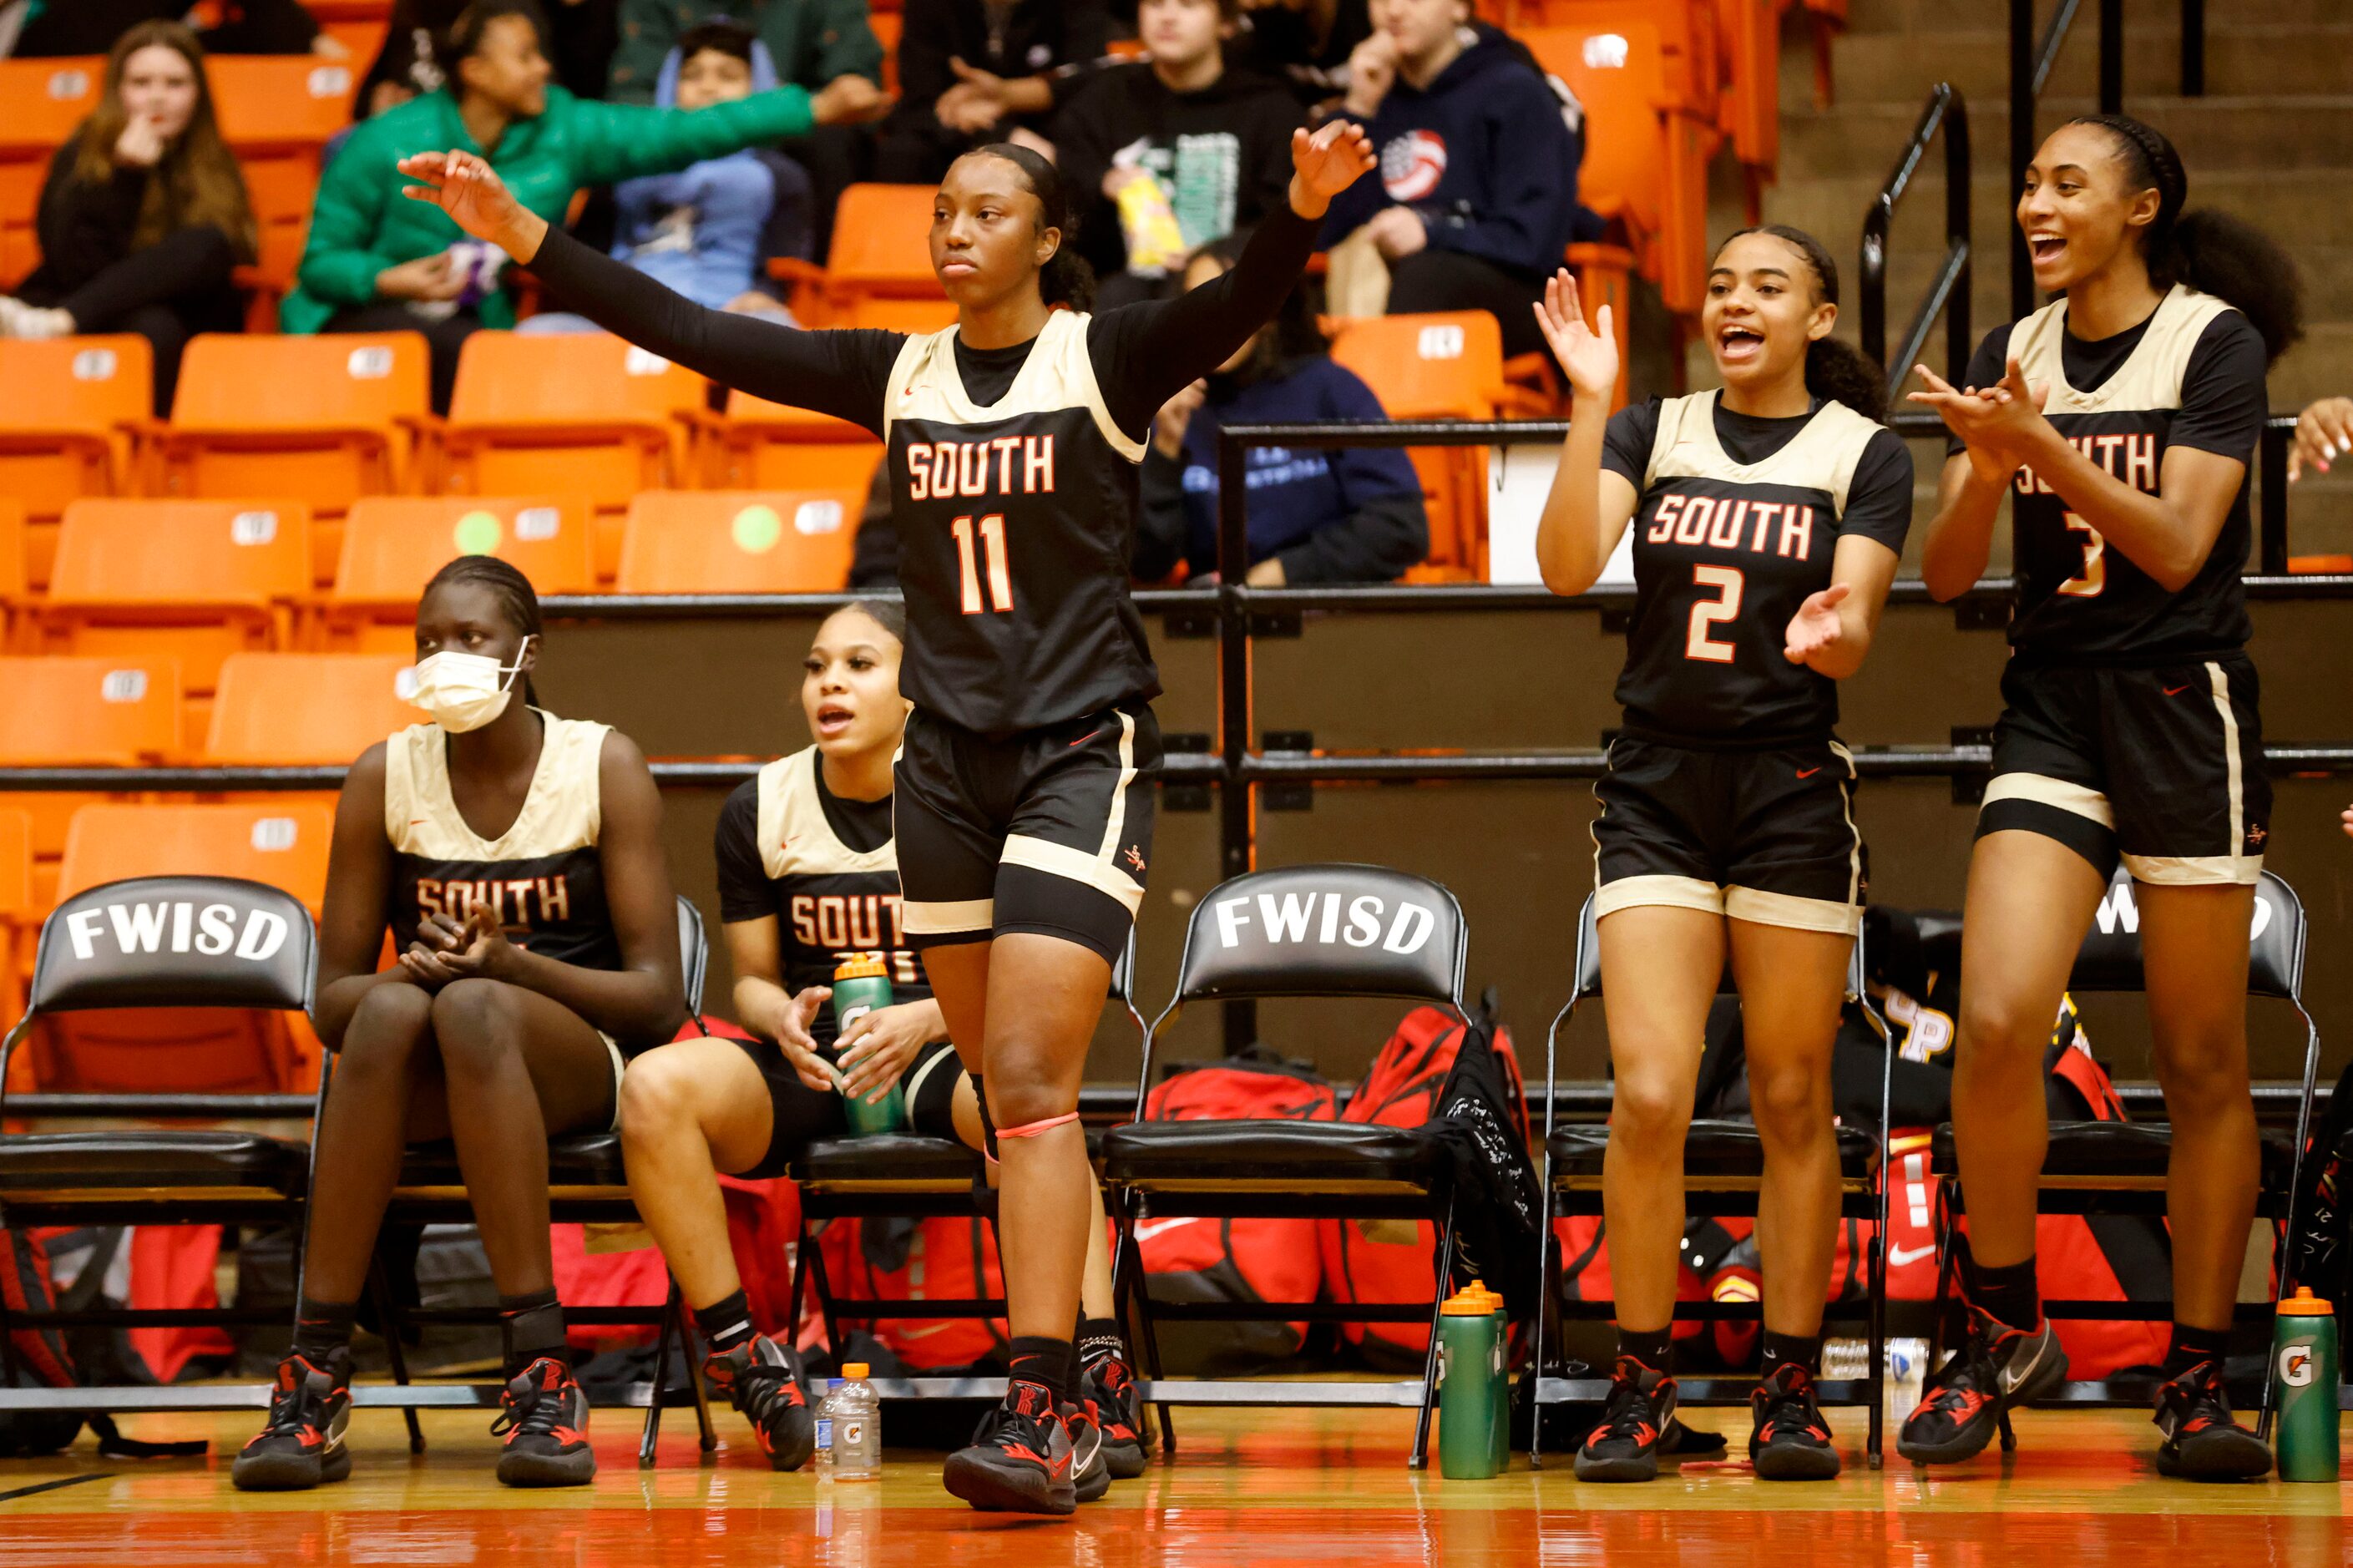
pixel 517 600
pixel 1065 278
pixel 1835 370
pixel 2210 251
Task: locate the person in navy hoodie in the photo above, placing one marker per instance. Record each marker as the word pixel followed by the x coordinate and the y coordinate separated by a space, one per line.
pixel 1314 516
pixel 709 229
pixel 1477 195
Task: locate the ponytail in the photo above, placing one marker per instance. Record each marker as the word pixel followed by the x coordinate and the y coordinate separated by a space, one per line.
pixel 1836 371
pixel 2210 251
pixel 1065 278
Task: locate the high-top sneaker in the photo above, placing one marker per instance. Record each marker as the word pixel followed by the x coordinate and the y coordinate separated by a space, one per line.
pixel 1110 1385
pixel 1089 1475
pixel 2202 1443
pixel 763 1379
pixel 1791 1442
pixel 302 1442
pixel 1964 1401
pixel 1020 1460
pixel 1625 1446
pixel 544 1416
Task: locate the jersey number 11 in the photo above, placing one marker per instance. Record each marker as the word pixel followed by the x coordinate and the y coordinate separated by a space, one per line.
pixel 992 543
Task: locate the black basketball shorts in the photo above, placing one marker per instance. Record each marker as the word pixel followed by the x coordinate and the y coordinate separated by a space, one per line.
pixel 2162 768
pixel 1048 831
pixel 800 1115
pixel 1766 836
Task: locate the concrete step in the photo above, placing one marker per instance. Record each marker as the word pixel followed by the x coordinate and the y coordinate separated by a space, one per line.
pixel 1890 66
pixel 2278 131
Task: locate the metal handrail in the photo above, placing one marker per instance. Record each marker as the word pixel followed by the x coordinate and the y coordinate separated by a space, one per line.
pixel 2030 68
pixel 1948 111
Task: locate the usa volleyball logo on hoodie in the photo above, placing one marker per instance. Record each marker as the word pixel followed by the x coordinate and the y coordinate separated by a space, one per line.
pixel 1412 166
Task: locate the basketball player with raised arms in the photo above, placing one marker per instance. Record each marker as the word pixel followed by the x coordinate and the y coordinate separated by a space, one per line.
pixel 1768 516
pixel 1024 801
pixel 2120 421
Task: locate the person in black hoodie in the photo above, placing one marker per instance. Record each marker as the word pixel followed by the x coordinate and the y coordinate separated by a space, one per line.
pixel 1216 143
pixel 972 71
pixel 1477 198
pixel 1306 42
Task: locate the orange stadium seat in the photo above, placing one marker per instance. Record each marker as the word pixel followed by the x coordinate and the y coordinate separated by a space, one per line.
pixel 877 272
pixel 394 544
pixel 192 580
pixel 330 418
pixel 581 414
pixel 15 588
pixel 1442 366
pixel 306 709
pixel 1645 158
pixel 64 712
pixel 44 100
pixel 764 445
pixel 281 843
pixel 888 25
pixel 739 541
pixel 277 114
pixel 69 409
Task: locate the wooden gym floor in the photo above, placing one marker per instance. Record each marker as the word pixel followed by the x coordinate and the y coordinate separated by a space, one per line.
pixel 1326 1489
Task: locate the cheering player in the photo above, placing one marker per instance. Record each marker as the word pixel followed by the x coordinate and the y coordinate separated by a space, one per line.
pixel 1023 808
pixel 2120 421
pixel 1768 518
pixel 807 878
pixel 517 858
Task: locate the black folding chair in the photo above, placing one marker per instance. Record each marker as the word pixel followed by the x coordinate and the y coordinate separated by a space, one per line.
pixel 1305 931
pixel 2096 1168
pixel 586 1186
pixel 1723 1170
pixel 905 1175
pixel 159 941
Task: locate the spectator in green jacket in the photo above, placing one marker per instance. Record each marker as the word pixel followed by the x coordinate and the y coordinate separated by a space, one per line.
pixel 375 263
pixel 815 42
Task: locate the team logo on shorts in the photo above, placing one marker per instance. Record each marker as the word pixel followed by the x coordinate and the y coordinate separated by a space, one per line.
pixel 1135 857
pixel 1412 166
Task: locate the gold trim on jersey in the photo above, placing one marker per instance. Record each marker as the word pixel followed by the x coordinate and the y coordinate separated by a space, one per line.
pixel 1822 456
pixel 795 839
pixel 562 811
pixel 2149 379
pixel 1060 374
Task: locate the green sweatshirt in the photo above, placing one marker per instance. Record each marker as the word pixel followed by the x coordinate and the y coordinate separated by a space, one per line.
pixel 811 41
pixel 361 224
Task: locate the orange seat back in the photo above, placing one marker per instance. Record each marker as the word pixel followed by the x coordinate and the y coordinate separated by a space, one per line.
pixel 1617 72
pixel 394 544
pixel 1689 49
pixel 182 559
pixel 41 103
pixel 277 114
pixel 64 711
pixel 767 446
pixel 15 582
pixel 306 709
pixel 739 541
pixel 881 241
pixel 187 1050
pixel 326 418
pixel 1441 365
pixel 66 406
pixel 576 414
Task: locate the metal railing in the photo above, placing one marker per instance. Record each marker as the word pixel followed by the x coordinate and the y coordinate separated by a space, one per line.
pixel 2031 60
pixel 1947 112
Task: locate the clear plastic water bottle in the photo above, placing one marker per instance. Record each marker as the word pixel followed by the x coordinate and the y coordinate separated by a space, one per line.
pixel 856 1427
pixel 1907 1369
pixel 824 1413
pixel 1845 1361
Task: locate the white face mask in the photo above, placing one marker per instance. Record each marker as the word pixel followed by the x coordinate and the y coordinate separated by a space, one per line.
pixel 463 691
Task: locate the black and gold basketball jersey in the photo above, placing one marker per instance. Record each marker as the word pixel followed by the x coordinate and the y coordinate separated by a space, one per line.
pixel 2076 599
pixel 826 870
pixel 1726 550
pixel 543 878
pixel 1014 533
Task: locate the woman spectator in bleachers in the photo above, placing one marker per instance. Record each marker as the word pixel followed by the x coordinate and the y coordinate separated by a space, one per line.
pixel 709 229
pixel 1477 198
pixel 1315 517
pixel 375 263
pixel 145 212
pixel 973 71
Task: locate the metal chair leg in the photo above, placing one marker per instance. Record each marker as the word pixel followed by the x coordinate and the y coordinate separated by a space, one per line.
pixel 1420 1459
pixel 389 1316
pixel 823 1286
pixel 654 1395
pixel 1139 1299
pixel 1544 1317
pixel 693 1348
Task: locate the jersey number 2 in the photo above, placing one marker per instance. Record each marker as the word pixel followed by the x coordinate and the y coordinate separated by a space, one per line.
pixel 2094 576
pixel 992 543
pixel 1728 583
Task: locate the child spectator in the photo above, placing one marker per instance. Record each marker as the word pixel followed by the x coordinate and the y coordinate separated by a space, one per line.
pixel 708 231
pixel 1315 517
pixel 974 71
pixel 1477 195
pixel 816 44
pixel 1304 42
pixel 145 212
pixel 1191 138
pixel 377 263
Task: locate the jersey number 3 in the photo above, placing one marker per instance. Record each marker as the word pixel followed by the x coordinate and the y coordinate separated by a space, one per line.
pixel 1728 582
pixel 2094 576
pixel 992 543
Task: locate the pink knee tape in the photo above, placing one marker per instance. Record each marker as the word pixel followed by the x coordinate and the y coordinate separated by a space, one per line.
pixel 1035 1128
